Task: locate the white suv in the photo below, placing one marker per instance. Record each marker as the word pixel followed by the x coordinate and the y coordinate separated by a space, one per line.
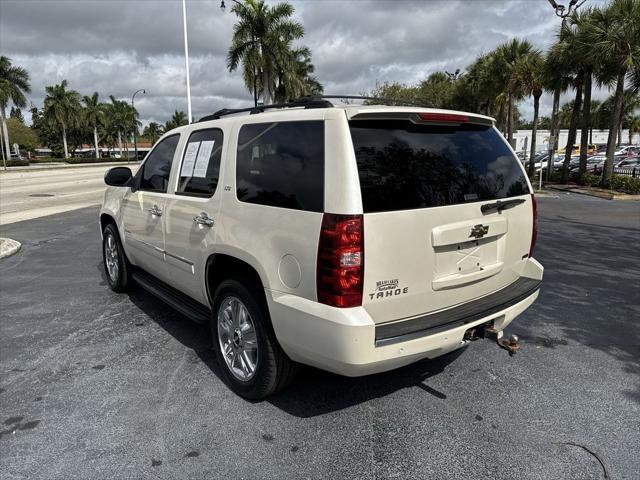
pixel 356 239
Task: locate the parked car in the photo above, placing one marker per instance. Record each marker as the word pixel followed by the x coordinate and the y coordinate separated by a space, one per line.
pixel 629 162
pixel 617 158
pixel 356 239
pixel 628 150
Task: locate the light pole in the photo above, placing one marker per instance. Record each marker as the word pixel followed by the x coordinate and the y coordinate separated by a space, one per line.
pixel 135 127
pixel 186 56
pixel 562 12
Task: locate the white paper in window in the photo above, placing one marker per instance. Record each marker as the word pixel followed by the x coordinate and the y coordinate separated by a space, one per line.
pixel 202 161
pixel 189 159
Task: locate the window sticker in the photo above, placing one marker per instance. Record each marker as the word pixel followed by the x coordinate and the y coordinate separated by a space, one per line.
pixel 202 161
pixel 189 159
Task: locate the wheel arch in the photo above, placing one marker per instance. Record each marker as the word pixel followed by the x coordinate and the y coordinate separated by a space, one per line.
pixel 222 266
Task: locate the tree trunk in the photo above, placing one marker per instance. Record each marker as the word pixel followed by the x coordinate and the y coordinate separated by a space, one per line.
pixel 510 119
pixel 553 145
pixel 586 123
pixel 607 171
pixel 5 135
pixel 266 87
pixel 95 141
pixel 255 87
pixel 64 141
pixel 120 142
pixel 534 131
pixel 619 133
pixel 573 126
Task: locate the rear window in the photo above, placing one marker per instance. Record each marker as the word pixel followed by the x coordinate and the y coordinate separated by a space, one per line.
pixel 281 164
pixel 403 165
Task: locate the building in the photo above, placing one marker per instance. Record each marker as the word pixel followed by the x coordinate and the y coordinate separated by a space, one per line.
pixel 522 139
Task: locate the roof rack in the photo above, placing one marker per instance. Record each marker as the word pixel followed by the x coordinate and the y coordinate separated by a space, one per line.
pixel 312 101
pixel 306 102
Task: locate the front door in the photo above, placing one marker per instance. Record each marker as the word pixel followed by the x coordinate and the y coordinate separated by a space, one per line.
pixel 143 209
pixel 191 212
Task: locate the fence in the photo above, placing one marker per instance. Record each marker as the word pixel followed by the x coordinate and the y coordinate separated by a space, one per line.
pixel 633 172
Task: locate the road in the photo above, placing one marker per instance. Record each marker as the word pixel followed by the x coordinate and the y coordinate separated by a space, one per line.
pixel 25 195
pixel 99 385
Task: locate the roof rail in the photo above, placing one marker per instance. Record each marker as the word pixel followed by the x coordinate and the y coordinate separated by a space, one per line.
pixel 311 101
pixel 306 102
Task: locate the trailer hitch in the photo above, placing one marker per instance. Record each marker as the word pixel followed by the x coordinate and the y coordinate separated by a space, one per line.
pixel 511 344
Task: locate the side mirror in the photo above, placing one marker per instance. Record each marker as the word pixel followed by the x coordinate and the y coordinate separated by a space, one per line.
pixel 118 176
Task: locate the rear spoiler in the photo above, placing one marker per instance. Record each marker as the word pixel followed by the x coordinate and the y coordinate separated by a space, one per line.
pixel 422 116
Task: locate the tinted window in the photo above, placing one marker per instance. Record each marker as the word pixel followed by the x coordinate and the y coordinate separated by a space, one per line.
pixel 200 168
pixel 403 165
pixel 282 165
pixel 157 167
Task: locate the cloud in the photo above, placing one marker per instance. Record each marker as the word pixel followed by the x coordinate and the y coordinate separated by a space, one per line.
pixel 116 47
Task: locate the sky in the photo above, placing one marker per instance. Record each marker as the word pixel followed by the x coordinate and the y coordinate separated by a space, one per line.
pixel 116 47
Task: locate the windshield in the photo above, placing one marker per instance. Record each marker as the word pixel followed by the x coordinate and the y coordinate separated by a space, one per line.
pixel 403 165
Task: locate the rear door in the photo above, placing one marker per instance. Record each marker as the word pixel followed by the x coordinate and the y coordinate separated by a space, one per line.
pixel 428 243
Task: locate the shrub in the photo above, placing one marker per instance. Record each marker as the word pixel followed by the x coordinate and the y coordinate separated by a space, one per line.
pixel 589 179
pixel 74 160
pixel 14 162
pixel 625 184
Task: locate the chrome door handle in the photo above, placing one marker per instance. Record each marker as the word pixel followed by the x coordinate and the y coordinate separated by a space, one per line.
pixel 203 219
pixel 155 211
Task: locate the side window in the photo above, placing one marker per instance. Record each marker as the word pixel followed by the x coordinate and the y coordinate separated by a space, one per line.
pixel 200 168
pixel 157 168
pixel 282 165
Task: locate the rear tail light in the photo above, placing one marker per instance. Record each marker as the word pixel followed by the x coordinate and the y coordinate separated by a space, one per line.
pixel 340 269
pixel 443 117
pixel 534 233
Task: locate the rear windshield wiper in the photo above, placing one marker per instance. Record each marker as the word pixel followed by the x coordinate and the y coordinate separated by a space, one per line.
pixel 501 205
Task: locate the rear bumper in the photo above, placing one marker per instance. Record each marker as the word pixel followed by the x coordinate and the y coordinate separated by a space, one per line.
pixel 344 341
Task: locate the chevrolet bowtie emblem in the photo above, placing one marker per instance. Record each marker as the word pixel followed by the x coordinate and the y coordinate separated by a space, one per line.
pixel 479 231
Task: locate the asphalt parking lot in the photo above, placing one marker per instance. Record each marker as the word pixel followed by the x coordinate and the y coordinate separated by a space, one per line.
pixel 99 385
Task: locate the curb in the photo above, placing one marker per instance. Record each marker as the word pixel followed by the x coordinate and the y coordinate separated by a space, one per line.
pixel 8 247
pixel 67 165
pixel 595 193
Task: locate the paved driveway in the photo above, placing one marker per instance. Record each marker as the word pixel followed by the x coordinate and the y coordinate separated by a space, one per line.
pixel 99 385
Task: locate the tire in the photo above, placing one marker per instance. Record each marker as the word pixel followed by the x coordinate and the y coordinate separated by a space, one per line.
pixel 116 265
pixel 272 369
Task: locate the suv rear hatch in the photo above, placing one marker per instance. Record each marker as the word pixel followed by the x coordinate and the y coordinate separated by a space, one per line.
pixel 429 242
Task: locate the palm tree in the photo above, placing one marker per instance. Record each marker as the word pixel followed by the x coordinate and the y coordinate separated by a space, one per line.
pixel 118 112
pixel 507 56
pixel 14 83
pixel 153 132
pixel 93 113
pixel 613 38
pixel 178 119
pixel 62 106
pixel 261 39
pixel 295 76
pixel 564 52
pixel 530 74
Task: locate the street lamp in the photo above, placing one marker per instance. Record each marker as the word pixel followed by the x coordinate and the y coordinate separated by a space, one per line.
pixel 135 127
pixel 453 75
pixel 564 12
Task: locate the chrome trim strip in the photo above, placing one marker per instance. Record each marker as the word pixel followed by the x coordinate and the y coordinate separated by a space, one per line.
pixel 182 259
